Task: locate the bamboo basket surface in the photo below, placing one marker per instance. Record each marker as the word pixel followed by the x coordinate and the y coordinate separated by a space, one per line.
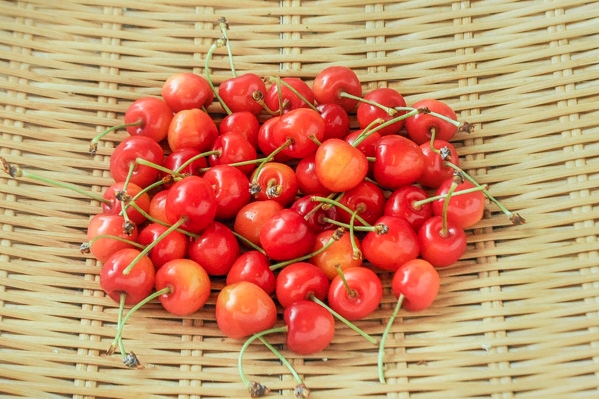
pixel 516 317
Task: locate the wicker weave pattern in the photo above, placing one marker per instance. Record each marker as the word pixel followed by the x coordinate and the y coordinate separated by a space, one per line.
pixel 518 316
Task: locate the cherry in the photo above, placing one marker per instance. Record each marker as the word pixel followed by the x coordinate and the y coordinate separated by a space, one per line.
pixel 342 254
pixel 148 116
pixel 281 97
pixel 157 209
pixel 367 198
pixel 233 148
pixel 136 285
pixel 245 123
pixel 194 199
pixel 276 181
pixel 339 166
pixel 253 266
pixel 398 162
pixel 336 120
pixel 436 153
pixel 251 218
pixel 310 327
pixel 308 183
pixel 332 82
pixel 185 161
pixel 368 111
pixel 266 141
pixel 442 242
pixel 286 235
pixel 299 280
pixel 186 90
pixel 187 286
pixel 397 244
pixel 124 165
pixel 192 128
pixel 464 210
pixel 425 126
pixel 403 203
pixel 315 213
pixel 355 293
pixel 243 309
pixel 239 93
pixel 230 186
pixel 106 236
pixel 215 249
pixel 173 246
pixel 302 126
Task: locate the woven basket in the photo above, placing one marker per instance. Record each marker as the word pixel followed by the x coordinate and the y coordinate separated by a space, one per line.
pixel 516 317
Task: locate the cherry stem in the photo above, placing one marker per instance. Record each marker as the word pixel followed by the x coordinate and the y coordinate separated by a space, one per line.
pixel 121 326
pixel 367 131
pixel 336 203
pixel 246 345
pixel 141 161
pixel 217 44
pixel 418 204
pixel 16 172
pixel 348 323
pixel 335 237
pixel 248 242
pixel 282 358
pixel 381 354
pixel 388 110
pixel 240 163
pixel 280 82
pixel 350 292
pixel 444 230
pixel 376 228
pixel 195 158
pixel 270 157
pixel 147 249
pixel 317 207
pixel 224 26
pixel 433 132
pixel 515 218
pixel 87 245
pixel 365 134
pixel 132 200
pixel 356 253
pixel 93 146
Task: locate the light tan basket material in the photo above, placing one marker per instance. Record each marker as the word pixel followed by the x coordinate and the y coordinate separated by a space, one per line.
pixel 517 317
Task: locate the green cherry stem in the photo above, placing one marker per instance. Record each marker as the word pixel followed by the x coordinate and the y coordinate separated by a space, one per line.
pixel 224 26
pixel 248 242
pixel 147 249
pixel 356 253
pixel 195 158
pixel 294 91
pixel 282 358
pixel 515 218
pixel 93 145
pixel 348 323
pixel 141 161
pixel 376 228
pixel 336 203
pixel 412 112
pixel 444 232
pixel 85 247
pixel 217 44
pixel 381 353
pixel 388 110
pixel 418 204
pixel 154 220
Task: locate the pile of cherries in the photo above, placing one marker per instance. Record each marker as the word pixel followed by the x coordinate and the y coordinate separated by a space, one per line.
pixel 279 197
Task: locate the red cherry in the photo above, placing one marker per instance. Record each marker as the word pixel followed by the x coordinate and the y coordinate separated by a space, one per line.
pixel 192 128
pixel 238 93
pixel 368 113
pixel 332 81
pixel 266 141
pixel 136 285
pixel 179 157
pixel 360 297
pixel 230 186
pixel 366 197
pixel 300 126
pixel 189 286
pixel 339 255
pixel 127 152
pixel 186 90
pixel 172 246
pixel 253 266
pixel 399 162
pixel 132 191
pixel 153 115
pixel 287 97
pixel 466 209
pixel 251 218
pixel 339 166
pixel 191 198
pixel 308 183
pixel 243 309
pixel 336 120
pixel 310 327
pixel 105 224
pixel 215 249
pixel 299 280
pixel 441 246
pixel 244 123
pixel 315 218
pixel 435 170
pixel 421 126
pixel 158 206
pixel 286 235
pixel 401 203
pixel 233 147
pixel 419 282
pixel 276 181
pixel 388 251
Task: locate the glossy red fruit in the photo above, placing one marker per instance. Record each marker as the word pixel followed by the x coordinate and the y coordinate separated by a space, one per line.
pixel 238 93
pixel 172 246
pixel 360 298
pixel 368 113
pixel 401 203
pixel 251 218
pixel 466 209
pixel 340 254
pixel 441 247
pixel 136 285
pixel 158 206
pixel 420 127
pixel 266 140
pixel 368 198
pixel 192 128
pixel 125 155
pixel 295 282
pixel 389 250
pixel 286 97
pixel 215 249
pixel 301 126
pixel 243 309
pixel 307 181
pixel 253 266
pixel 286 235
pixel 418 281
pixel 336 120
pixel 339 166
pixel 276 181
pixel 186 90
pixel 155 117
pixel 244 123
pixel 110 225
pixel 233 148
pixel 176 160
pixel 231 187
pixel 194 199
pixel 310 327
pixel 315 217
pixel 435 170
pixel 189 286
pixel 134 192
pixel 334 80
pixel 398 162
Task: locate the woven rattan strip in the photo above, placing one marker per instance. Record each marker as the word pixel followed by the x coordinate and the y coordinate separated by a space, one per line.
pixel 516 317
